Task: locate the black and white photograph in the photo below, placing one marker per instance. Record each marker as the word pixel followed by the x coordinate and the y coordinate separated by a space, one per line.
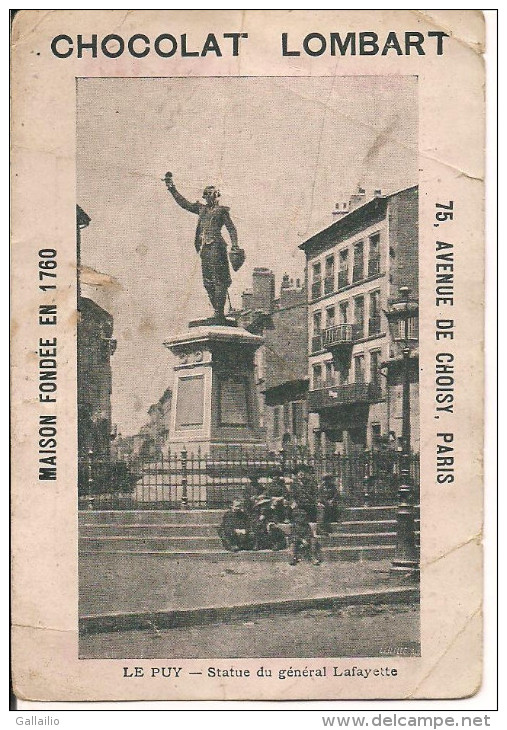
pixel 249 314
pixel 248 366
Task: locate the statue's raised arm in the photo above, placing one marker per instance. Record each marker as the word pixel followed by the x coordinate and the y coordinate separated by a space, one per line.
pixel 182 202
pixel 210 244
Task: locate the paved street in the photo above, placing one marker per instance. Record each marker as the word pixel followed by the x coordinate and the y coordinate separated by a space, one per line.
pixel 116 584
pixel 354 631
pixel 130 583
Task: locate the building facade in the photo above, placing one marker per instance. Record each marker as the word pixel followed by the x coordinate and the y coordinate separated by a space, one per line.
pixel 286 369
pixel 281 363
pixel 95 346
pixel 355 269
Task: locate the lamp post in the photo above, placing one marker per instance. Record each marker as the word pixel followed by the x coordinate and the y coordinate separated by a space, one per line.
pixel 89 462
pixel 402 318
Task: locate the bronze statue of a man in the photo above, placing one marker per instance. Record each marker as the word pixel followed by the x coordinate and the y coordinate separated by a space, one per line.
pixel 209 242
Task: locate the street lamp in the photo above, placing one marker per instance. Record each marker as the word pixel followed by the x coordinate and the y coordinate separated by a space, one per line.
pixel 403 318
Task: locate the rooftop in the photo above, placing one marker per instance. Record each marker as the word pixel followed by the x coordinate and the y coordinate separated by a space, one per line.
pixel 367 214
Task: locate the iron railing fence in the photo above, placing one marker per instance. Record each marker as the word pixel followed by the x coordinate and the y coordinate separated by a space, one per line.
pixel 186 480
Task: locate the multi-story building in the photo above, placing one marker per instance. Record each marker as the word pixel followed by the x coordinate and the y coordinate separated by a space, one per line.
pixel 282 361
pixel 95 345
pixel 286 369
pixel 355 268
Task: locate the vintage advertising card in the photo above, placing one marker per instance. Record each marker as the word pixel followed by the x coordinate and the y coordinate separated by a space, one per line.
pixel 247 285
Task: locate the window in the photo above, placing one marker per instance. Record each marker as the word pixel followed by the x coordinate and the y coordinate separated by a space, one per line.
pixel 286 417
pixel 359 369
pixel 317 332
pixel 358 269
pixel 374 367
pixel 329 275
pixel 374 321
pixel 329 373
pixel 316 280
pixel 376 434
pixel 359 316
pixel 413 329
pixel 344 312
pixel 374 255
pixel 374 303
pixel 276 421
pixel 297 419
pixel 343 273
pixel 330 317
pixel 317 377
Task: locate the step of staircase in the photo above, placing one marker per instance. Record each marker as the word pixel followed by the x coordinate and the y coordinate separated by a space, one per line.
pixel 365 533
pixel 358 539
pixel 151 517
pixel 369 526
pixel 373 514
pixel 354 515
pixel 146 530
pixel 152 544
pixel 169 543
pixel 373 552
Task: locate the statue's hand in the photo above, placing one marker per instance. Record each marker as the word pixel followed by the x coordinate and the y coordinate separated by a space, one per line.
pixel 169 180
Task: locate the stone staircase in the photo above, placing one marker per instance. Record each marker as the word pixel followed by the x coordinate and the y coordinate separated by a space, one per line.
pixel 364 533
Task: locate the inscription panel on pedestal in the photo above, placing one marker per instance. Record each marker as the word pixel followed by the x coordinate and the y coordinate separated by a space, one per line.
pixel 233 402
pixel 190 402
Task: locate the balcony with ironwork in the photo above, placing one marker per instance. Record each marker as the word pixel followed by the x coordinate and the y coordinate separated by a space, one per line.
pixel 339 334
pixel 338 395
pixel 339 340
pixel 374 325
pixel 317 288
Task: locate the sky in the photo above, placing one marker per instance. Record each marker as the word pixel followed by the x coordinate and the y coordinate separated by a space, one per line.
pixel 282 151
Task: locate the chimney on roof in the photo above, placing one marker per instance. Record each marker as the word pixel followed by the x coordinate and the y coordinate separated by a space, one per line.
pixel 291 293
pixel 377 193
pixel 263 297
pixel 340 209
pixel 357 198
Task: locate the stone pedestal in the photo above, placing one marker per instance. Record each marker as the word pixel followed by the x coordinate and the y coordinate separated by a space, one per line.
pixel 214 397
